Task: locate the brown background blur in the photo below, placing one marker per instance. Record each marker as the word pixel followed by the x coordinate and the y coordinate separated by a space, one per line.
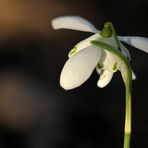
pixel 35 112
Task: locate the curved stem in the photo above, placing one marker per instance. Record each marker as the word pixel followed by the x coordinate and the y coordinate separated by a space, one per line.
pixel 115 35
pixel 108 27
pixel 127 81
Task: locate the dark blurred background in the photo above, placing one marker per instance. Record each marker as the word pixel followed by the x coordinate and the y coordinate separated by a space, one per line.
pixel 35 112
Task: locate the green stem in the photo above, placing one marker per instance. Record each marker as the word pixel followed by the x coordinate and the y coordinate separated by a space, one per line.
pixel 115 35
pixel 108 28
pixel 127 81
pixel 127 129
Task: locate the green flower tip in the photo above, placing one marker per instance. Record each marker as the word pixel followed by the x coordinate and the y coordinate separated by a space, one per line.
pixel 106 31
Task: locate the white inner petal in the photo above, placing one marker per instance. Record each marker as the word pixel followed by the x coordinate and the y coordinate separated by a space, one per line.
pixel 85 43
pixel 73 22
pixel 109 61
pixel 105 78
pixel 79 67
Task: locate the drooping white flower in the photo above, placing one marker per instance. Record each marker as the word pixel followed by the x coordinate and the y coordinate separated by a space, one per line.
pixel 85 56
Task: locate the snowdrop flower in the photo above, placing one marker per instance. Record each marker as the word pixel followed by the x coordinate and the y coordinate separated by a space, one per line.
pixel 104 52
pixel 85 56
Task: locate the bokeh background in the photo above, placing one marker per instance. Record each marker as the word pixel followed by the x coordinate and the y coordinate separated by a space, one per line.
pixel 35 112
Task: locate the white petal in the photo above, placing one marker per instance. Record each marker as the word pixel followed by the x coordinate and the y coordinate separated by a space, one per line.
pixel 134 77
pixel 105 78
pixel 79 67
pixel 98 71
pixel 125 51
pixel 137 42
pixel 109 61
pixel 85 43
pixel 73 22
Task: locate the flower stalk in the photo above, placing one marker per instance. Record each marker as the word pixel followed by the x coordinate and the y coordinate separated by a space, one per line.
pixel 128 80
pixel 127 130
pixel 107 31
